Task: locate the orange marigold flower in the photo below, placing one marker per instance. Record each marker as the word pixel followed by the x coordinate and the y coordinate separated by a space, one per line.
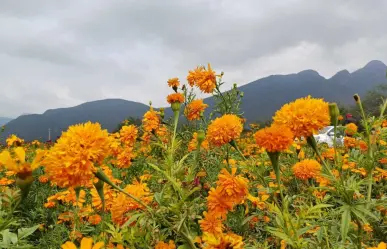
pixel 163 245
pixel 194 143
pixel 350 129
pixel 195 109
pixel 109 195
pixel 43 179
pixel 307 169
pixel 224 130
pixel 50 204
pixel 275 138
pixel 125 158
pixel 232 187
pixel 211 224
pixel 86 243
pixel 304 116
pixel 128 134
pixel 350 142
pixel 72 161
pixel 175 98
pixel 151 120
pixel 363 146
pixel 5 181
pixel 94 219
pixel 217 204
pixel 204 79
pixel 174 82
pixel 340 118
pixel 123 204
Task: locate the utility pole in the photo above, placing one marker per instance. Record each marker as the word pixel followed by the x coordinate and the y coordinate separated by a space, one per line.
pixel 49 134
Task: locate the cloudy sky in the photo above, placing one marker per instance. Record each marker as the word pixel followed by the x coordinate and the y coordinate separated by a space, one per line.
pixel 56 53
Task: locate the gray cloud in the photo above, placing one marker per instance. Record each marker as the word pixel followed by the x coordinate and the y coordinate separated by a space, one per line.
pixel 61 53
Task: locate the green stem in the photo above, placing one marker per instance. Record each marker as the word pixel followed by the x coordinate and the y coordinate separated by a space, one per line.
pixel 233 144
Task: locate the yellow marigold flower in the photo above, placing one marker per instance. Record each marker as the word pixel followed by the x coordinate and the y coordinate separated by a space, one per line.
pixel 174 82
pixel 194 143
pixel 124 204
pixel 204 79
pixel 381 245
pixel 275 138
pixel 194 110
pixel 350 129
pixel 163 134
pixel 307 169
pixel 175 98
pixel 223 241
pixel 73 159
pixel 18 163
pixel 224 130
pixel 86 243
pixel 163 245
pixel 151 120
pixel 128 134
pixel 14 140
pixel 304 116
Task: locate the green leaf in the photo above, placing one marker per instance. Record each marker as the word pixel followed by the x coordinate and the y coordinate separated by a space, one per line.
pixel 345 222
pixel 185 246
pixel 25 232
pixel 132 219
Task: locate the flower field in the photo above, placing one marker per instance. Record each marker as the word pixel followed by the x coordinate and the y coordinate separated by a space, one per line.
pixel 200 181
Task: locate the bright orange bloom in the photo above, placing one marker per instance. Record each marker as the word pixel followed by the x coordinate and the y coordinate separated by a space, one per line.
pixel 217 204
pixel 163 245
pixel 275 138
pixel 304 117
pixel 204 79
pixel 350 129
pixel 151 120
pixel 211 224
pixel 175 98
pixel 73 159
pixel 232 187
pixel 5 181
pixel 224 130
pixel 174 82
pixel 125 158
pixel 94 219
pixel 350 142
pixel 307 169
pixel 363 146
pixel 195 109
pixel 123 204
pixel 128 134
pixel 86 243
pixel 43 179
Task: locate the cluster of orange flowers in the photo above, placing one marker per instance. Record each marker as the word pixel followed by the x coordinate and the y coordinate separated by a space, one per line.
pixel 231 190
pixel 224 130
pixel 204 79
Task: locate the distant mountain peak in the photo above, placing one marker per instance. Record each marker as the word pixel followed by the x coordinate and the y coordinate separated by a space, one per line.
pixel 341 74
pixel 375 64
pixel 309 72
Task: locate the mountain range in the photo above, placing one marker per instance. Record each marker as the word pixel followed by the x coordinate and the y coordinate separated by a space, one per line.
pixel 261 99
